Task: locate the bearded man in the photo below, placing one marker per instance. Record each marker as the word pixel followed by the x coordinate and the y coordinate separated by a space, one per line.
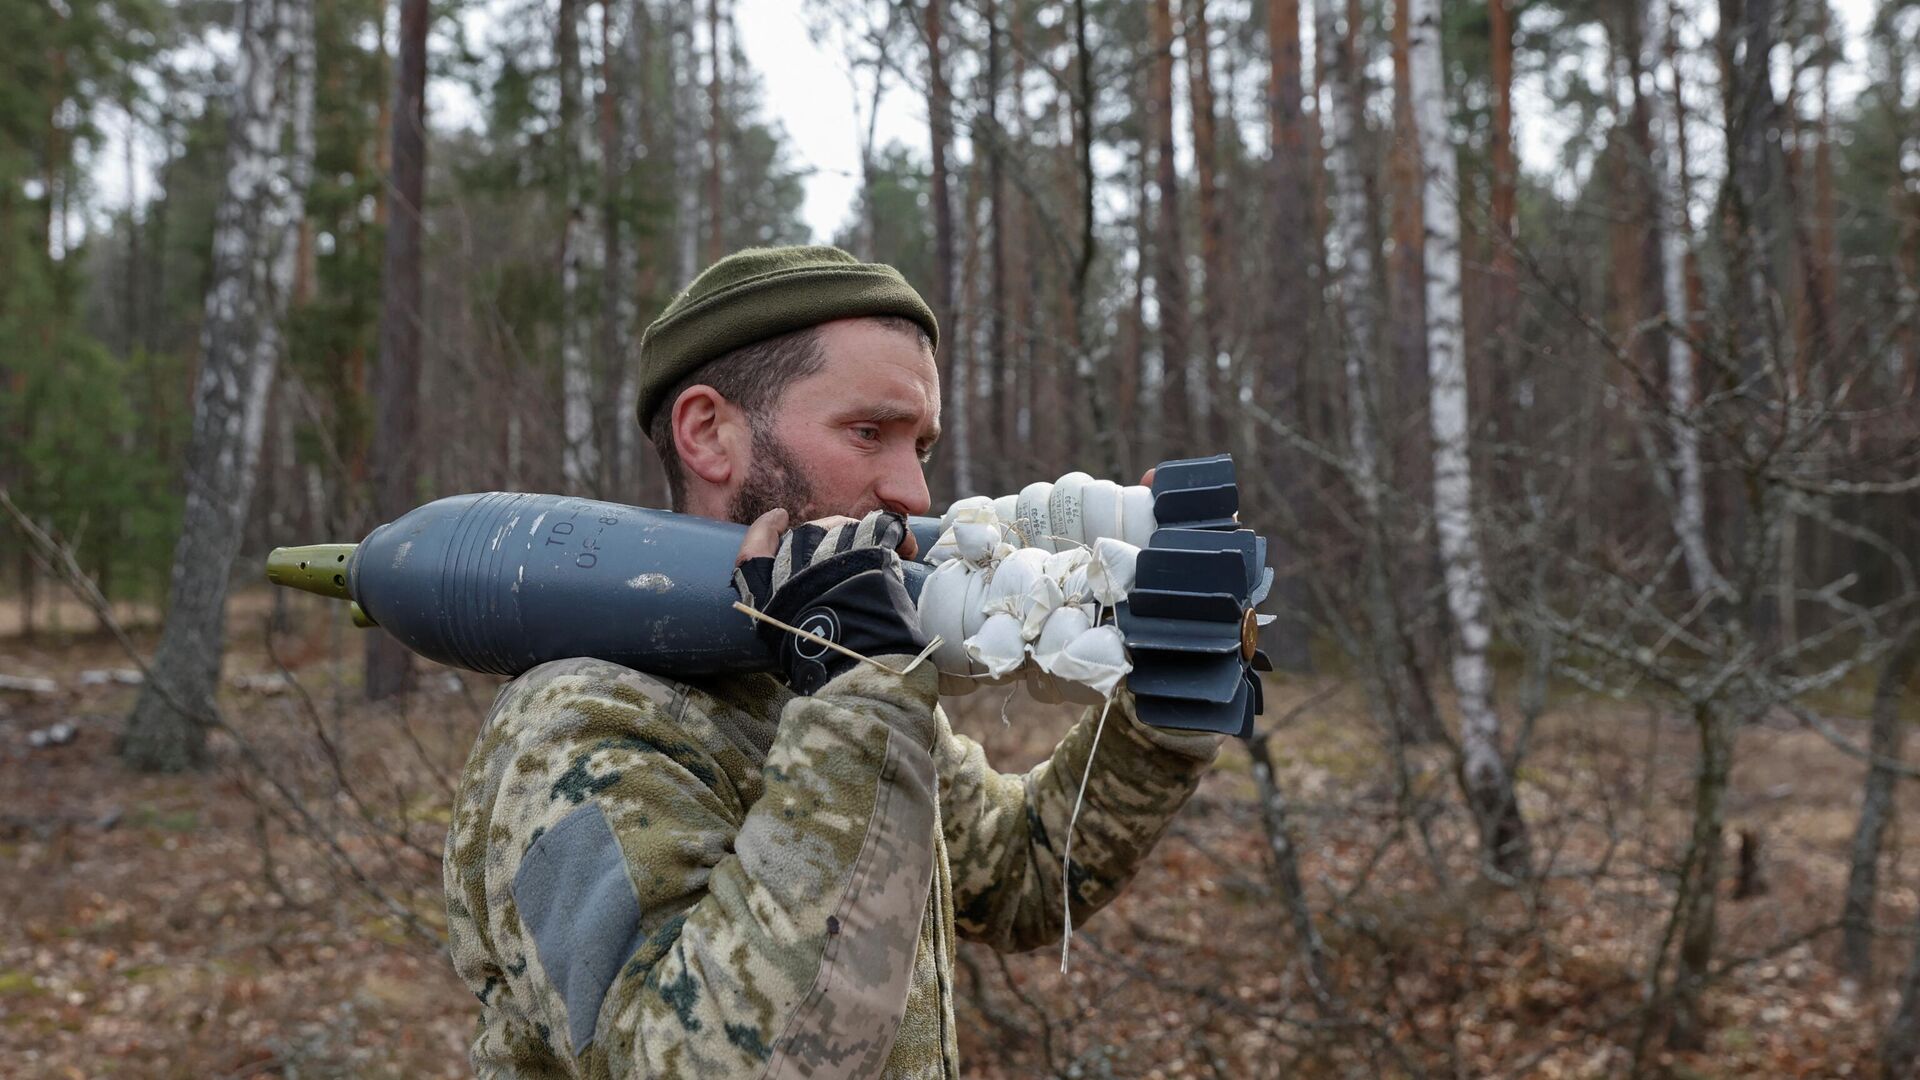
pixel 764 874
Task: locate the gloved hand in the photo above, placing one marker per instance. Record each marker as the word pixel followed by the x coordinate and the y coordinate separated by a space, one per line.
pixel 840 579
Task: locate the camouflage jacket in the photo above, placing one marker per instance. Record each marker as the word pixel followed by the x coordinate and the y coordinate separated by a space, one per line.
pixel 719 879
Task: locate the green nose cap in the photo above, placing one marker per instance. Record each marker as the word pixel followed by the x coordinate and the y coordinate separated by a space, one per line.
pixel 316 568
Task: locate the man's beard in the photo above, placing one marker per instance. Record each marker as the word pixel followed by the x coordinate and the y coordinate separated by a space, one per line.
pixel 774 481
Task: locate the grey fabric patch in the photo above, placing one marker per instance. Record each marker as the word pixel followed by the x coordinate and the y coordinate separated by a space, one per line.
pixel 578 903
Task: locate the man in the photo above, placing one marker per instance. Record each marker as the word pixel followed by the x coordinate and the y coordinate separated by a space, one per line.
pixel 763 875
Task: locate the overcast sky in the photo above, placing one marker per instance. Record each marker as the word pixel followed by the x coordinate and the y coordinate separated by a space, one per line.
pixel 808 90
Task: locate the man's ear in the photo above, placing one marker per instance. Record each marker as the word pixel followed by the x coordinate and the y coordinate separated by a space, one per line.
pixel 711 435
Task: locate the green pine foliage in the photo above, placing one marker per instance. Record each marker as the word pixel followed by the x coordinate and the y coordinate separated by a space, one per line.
pixel 79 447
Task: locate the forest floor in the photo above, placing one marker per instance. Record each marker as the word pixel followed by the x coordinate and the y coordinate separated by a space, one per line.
pixel 199 926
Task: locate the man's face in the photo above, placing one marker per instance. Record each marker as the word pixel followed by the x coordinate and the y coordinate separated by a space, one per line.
pixel 850 438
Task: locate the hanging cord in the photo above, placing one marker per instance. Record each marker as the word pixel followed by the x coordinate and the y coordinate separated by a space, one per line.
pixel 1066 859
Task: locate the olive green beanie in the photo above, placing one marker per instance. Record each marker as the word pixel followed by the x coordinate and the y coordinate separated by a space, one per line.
pixel 760 293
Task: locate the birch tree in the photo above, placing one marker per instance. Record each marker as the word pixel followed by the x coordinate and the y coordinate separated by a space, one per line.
pixel 716 138
pixel 580 259
pixel 624 99
pixel 1670 218
pixel 686 156
pixel 255 246
pixel 1745 43
pixel 951 359
pixel 1356 299
pixel 1483 768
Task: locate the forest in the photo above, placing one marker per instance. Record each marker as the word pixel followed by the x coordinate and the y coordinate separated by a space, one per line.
pixel 1568 352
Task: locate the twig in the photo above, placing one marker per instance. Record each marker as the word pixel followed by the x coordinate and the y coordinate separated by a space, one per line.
pixel 68 570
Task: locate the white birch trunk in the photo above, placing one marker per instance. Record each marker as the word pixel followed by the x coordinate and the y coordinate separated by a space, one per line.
pixel 624 273
pixel 1483 767
pixel 580 261
pixel 686 152
pixel 1670 214
pixel 1356 299
pixel 255 244
pixel 1358 304
pixel 1353 273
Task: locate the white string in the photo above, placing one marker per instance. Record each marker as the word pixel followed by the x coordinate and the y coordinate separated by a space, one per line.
pixel 1066 859
pixel 836 646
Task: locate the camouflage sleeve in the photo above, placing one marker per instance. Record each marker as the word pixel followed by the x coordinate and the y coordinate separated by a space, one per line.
pixel 1005 834
pixel 651 926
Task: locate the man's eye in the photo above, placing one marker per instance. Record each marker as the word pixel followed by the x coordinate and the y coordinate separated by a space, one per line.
pixel 867 432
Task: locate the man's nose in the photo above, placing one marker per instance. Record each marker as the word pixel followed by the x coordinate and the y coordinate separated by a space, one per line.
pixel 903 489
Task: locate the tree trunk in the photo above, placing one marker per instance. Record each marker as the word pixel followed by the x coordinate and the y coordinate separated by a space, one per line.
pixel 393 460
pixel 1355 298
pixel 579 261
pixel 1876 809
pixel 1169 276
pixel 1290 329
pixel 1698 905
pixel 1101 409
pixel 1405 273
pixel 1401 398
pixel 970 283
pixel 355 443
pixel 1285 865
pixel 256 233
pixel 624 58
pixel 1745 44
pixel 1503 279
pixel 716 126
pixel 1901 1045
pixel 870 165
pixel 686 151
pixel 1140 424
pixel 1216 389
pixel 1629 151
pixel 1483 767
pixel 940 122
pixel 1005 398
pixel 1670 218
pixel 1749 111
pixel 1010 402
pixel 1505 171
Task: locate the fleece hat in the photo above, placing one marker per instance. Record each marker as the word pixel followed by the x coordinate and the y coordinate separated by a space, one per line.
pixel 761 293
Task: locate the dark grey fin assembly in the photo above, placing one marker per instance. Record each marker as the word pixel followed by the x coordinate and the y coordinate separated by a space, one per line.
pixel 1192 633
pixel 1196 493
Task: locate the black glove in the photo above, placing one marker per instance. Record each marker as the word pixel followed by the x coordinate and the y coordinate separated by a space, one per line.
pixel 844 584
